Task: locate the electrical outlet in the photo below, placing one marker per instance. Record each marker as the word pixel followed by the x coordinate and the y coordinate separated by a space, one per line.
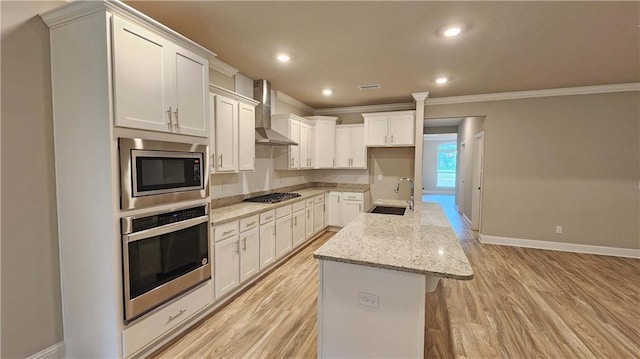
pixel 368 299
pixel 558 229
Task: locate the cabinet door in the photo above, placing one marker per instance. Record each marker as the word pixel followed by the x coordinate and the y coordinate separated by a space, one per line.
pixel 267 244
pixel 298 228
pixel 311 140
pixel 227 266
pixel 246 137
pixel 141 78
pixel 401 130
pixel 325 145
pixel 226 132
pixel 350 210
pixel 358 149
pixel 190 78
pixel 343 147
pixel 334 212
pixel 308 220
pixel 294 151
pixel 318 217
pixel 376 131
pixel 283 236
pixel 303 146
pixel 250 254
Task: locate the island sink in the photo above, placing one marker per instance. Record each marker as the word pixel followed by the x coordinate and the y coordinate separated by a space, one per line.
pixel 398 211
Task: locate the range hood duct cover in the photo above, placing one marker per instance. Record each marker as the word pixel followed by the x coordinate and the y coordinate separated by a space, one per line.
pixel 264 134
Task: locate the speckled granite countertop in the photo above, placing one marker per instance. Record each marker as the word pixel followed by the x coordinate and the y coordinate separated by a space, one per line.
pixel 421 241
pixel 245 209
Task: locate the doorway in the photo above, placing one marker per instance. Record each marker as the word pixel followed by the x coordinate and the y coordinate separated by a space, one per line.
pixel 439 171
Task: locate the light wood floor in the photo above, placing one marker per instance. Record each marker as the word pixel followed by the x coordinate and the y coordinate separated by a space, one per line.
pixel 522 303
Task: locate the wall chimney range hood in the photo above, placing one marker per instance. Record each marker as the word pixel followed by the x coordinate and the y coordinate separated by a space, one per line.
pixel 264 134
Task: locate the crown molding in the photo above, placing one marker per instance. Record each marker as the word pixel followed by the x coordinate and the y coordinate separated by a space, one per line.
pixel 223 67
pixel 80 9
pixel 231 94
pixel 368 108
pixel 420 96
pixel 293 102
pixel 500 96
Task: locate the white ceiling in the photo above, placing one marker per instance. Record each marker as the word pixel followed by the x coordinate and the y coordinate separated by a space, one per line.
pixel 506 46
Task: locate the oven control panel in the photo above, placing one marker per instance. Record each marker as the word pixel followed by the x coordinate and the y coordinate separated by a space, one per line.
pixel 140 224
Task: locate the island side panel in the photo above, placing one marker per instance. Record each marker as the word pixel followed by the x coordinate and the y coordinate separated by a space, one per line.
pixel 349 328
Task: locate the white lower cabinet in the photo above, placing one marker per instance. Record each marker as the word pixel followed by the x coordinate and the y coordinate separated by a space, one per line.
pixel 267 244
pixel 308 220
pixel 146 330
pixel 343 207
pixel 318 216
pixel 283 236
pixel 250 254
pixel 226 264
pixel 298 228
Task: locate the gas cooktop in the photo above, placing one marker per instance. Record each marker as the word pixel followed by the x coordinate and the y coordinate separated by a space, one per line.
pixel 273 198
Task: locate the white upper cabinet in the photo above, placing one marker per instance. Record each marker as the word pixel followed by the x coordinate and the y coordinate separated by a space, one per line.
pixel 299 130
pixel 190 80
pixel 233 131
pixel 389 129
pixel 350 149
pixel 158 85
pixel 324 146
pixel 226 134
pixel 246 137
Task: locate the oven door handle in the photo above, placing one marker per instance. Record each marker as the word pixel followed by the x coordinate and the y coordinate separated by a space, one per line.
pixel 158 231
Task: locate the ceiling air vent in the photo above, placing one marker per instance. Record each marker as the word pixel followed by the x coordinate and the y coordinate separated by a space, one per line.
pixel 369 87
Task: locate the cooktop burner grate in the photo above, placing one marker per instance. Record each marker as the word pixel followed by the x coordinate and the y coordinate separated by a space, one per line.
pixel 273 197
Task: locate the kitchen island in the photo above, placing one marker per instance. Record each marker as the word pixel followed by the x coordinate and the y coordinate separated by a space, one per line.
pixel 374 277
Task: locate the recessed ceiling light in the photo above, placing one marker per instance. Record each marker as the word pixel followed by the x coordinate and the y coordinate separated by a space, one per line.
pixel 452 31
pixel 442 80
pixel 327 92
pixel 283 57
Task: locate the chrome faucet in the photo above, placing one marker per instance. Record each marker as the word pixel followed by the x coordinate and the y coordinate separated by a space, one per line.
pixel 411 203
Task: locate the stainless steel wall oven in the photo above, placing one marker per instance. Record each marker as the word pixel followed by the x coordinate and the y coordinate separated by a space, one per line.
pixel 163 255
pixel 159 172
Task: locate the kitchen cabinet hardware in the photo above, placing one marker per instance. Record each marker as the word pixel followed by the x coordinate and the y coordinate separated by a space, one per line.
pixel 228 232
pixel 173 317
pixel 268 217
pixel 244 244
pixel 251 223
pixel 238 247
pixel 175 115
pixel 169 114
pixel 220 160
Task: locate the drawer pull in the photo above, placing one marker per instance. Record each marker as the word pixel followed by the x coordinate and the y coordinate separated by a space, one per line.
pixel 181 312
pixel 250 224
pixel 228 232
pixel 268 217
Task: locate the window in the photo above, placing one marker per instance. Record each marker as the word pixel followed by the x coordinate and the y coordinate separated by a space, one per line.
pixel 447 153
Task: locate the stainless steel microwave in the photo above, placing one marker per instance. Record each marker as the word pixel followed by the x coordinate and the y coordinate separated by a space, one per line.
pixel 159 172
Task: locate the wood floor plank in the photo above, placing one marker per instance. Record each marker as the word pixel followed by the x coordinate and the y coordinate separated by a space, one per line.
pixel 522 303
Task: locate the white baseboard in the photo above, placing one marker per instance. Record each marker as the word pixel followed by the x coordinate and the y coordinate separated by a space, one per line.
pixel 466 220
pixel 55 351
pixel 561 246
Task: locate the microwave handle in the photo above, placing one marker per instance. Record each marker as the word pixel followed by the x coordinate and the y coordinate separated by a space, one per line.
pixel 158 231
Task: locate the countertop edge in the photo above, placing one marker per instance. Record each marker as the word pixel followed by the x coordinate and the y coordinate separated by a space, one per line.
pixel 395 268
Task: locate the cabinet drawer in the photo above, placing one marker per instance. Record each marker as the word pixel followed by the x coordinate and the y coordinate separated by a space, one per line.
pixel 298 206
pixel 319 199
pixel 310 202
pixel 225 231
pixel 249 223
pixel 267 217
pixel 148 329
pixel 352 196
pixel 283 211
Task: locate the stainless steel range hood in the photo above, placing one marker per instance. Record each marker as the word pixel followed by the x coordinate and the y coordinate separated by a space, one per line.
pixel 264 134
